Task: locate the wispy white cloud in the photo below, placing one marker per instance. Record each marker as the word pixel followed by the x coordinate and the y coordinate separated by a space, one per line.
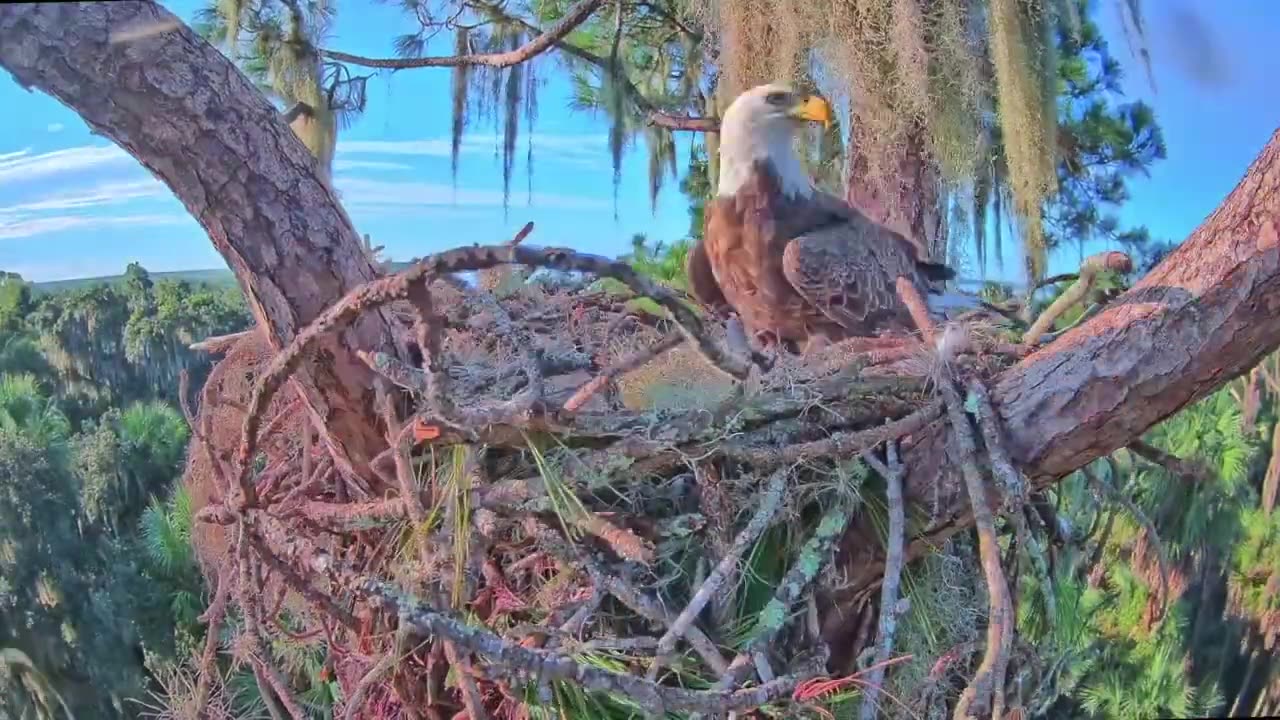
pixel 107 193
pixel 372 194
pixel 25 167
pixel 56 127
pixel 21 227
pixel 5 157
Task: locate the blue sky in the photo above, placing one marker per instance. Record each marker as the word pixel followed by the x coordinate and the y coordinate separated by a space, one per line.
pixel 73 205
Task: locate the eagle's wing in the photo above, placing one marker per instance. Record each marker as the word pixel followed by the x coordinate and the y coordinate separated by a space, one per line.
pixel 831 270
pixel 702 281
pixel 932 271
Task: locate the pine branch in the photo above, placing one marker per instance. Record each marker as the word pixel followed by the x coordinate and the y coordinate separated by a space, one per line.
pixel 646 107
pixel 545 40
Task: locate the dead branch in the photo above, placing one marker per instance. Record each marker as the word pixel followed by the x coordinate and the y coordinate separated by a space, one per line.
pixel 509 659
pixel 1089 269
pixel 767 505
pixel 814 557
pixel 543 42
pixel 625 592
pixel 627 364
pixel 892 473
pixel 472 700
pixel 980 699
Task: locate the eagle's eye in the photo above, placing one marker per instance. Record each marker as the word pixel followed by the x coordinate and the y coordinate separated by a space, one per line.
pixel 778 98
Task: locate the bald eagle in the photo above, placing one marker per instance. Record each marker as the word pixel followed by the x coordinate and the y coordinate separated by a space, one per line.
pixel 795 263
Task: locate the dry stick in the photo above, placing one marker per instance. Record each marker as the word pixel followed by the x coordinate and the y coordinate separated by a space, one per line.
pixel 841 444
pixel 472 700
pixel 321 601
pixel 398 440
pixel 1089 270
pixel 625 365
pixel 1015 486
pixel 977 697
pixel 261 653
pixel 213 617
pixel 356 699
pixel 510 659
pixel 627 594
pixel 769 502
pixel 916 307
pixel 814 556
pixel 1133 509
pixel 543 42
pixel 892 474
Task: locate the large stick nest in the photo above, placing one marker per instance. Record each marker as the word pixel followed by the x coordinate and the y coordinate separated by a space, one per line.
pixel 568 466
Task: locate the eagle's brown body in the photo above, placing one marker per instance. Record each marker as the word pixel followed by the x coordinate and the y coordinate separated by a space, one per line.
pixel 796 267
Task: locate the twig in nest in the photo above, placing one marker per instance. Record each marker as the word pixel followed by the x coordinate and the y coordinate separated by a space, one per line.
pixel 1089 270
pixel 839 445
pixel 1015 485
pixel 768 504
pixel 213 618
pixel 980 697
pixel 398 440
pixel 321 601
pixel 510 659
pixel 1129 505
pixel 625 365
pixel 386 664
pixel 1015 489
pixel 813 558
pixel 892 473
pixel 916 307
pixel 472 700
pixel 627 593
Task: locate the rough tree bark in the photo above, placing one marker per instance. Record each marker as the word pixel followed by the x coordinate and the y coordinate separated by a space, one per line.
pixel 186 113
pixel 907 199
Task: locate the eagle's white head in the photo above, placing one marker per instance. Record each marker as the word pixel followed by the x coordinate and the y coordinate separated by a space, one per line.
pixel 761 124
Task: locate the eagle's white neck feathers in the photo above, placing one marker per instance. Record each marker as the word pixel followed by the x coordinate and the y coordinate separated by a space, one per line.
pixel 749 133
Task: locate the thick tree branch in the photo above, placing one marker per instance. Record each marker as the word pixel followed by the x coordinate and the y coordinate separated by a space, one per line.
pixel 1204 316
pixel 178 105
pixel 545 40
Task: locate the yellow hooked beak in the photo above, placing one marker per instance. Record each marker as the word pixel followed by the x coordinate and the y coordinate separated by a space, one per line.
pixel 813 109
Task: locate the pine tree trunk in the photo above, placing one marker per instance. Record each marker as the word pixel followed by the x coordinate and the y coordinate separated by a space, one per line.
pixel 189 116
pixel 907 201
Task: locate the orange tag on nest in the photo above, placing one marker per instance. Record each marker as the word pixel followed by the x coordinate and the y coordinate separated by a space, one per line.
pixel 423 431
